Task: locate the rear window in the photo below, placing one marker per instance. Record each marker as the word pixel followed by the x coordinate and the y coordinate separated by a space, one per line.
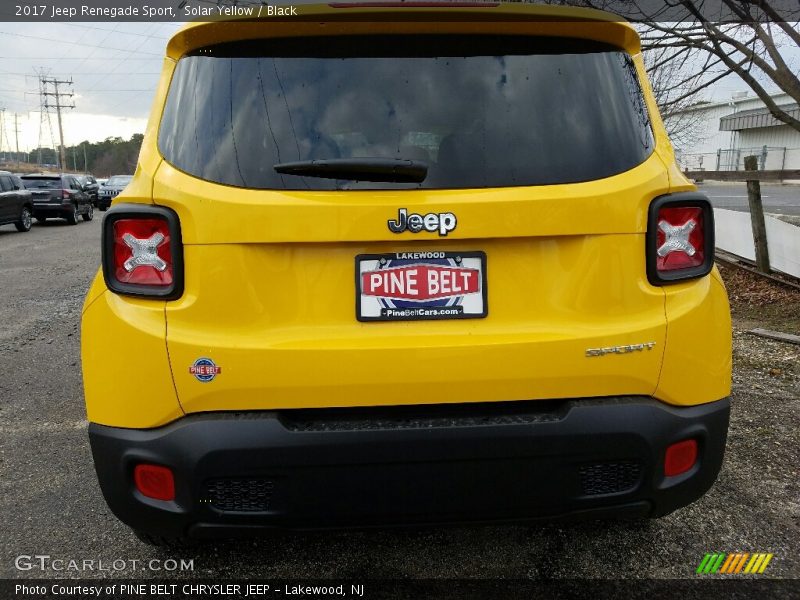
pixel 480 111
pixel 49 183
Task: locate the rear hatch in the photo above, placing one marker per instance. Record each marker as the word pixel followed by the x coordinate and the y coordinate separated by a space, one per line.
pixel 44 189
pixel 525 235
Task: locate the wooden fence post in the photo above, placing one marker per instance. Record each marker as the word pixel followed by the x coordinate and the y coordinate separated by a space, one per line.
pixel 757 216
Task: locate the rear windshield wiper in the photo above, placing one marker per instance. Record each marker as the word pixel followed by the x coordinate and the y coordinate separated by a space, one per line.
pixel 359 169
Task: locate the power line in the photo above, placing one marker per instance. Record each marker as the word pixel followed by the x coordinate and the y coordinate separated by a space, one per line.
pixel 134 51
pixel 93 52
pixel 90 91
pixel 73 43
pixel 84 26
pixel 117 91
pixel 151 33
pixel 19 58
pixel 22 74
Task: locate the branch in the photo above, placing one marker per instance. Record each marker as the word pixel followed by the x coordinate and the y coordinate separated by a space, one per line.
pixel 668 59
pixel 698 89
pixel 774 109
pixel 781 21
pixel 783 72
pixel 793 33
pixel 715 33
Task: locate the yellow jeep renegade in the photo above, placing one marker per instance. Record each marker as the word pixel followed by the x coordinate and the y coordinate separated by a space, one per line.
pixel 400 265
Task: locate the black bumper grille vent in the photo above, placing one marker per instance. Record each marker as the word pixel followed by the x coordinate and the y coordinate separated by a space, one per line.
pixel 240 495
pixel 609 478
pixel 425 416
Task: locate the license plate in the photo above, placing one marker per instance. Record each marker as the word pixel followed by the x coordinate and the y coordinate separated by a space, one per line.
pixel 413 286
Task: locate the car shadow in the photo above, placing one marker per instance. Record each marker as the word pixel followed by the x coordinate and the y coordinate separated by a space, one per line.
pixel 490 551
pixel 50 223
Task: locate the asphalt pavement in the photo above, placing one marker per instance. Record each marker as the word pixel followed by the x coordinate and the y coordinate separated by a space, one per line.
pixel 51 504
pixel 777 199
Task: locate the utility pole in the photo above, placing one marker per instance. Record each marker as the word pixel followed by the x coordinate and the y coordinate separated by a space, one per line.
pixel 57 95
pixel 4 141
pixel 2 130
pixel 16 136
pixel 85 162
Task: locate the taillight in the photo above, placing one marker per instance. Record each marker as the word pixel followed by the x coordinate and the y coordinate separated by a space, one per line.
pixel 680 238
pixel 142 251
pixel 65 194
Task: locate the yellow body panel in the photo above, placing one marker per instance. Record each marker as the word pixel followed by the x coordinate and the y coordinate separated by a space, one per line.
pixel 280 347
pixel 565 263
pixel 127 379
pixel 697 364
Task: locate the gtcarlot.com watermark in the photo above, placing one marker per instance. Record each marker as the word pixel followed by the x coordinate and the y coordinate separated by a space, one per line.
pixel 46 562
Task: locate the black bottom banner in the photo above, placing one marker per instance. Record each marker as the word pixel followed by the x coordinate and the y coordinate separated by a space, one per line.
pixel 372 589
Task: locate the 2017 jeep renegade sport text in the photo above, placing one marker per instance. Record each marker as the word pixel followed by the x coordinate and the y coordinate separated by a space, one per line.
pixel 405 265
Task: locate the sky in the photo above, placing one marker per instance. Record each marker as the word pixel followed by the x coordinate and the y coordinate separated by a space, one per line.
pixel 115 68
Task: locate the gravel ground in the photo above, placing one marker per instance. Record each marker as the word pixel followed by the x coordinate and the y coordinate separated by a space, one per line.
pixel 52 505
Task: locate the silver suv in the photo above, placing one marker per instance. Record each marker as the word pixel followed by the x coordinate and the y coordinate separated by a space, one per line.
pixel 111 189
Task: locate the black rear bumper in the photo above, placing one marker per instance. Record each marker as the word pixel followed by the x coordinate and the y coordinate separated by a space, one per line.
pixel 341 468
pixel 52 209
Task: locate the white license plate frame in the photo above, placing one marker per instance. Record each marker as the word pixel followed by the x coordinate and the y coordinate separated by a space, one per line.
pixel 457 281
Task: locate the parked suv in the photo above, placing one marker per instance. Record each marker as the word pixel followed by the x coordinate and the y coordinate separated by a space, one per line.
pixel 111 189
pixel 405 278
pixel 90 186
pixel 16 205
pixel 58 196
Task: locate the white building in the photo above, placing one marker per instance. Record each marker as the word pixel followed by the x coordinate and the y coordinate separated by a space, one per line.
pixel 742 126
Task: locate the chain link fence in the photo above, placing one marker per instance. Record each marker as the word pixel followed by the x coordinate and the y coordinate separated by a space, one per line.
pixel 732 159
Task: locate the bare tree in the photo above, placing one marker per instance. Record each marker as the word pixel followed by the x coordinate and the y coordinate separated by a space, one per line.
pixel 678 82
pixel 751 38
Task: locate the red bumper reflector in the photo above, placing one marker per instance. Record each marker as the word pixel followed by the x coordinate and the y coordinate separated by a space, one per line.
pixel 680 457
pixel 154 482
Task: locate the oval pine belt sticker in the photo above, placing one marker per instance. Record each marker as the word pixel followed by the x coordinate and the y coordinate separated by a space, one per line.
pixel 205 370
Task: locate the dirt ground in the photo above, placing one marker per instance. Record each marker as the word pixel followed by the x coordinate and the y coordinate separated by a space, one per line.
pixel 758 302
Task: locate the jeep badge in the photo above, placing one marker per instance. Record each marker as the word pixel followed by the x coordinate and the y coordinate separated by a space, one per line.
pixel 444 223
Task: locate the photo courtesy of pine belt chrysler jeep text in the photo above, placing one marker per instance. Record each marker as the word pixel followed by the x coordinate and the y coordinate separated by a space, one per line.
pixel 405 265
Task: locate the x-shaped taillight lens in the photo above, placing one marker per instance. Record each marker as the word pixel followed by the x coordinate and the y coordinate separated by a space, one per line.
pixel 676 238
pixel 144 252
pixel 680 239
